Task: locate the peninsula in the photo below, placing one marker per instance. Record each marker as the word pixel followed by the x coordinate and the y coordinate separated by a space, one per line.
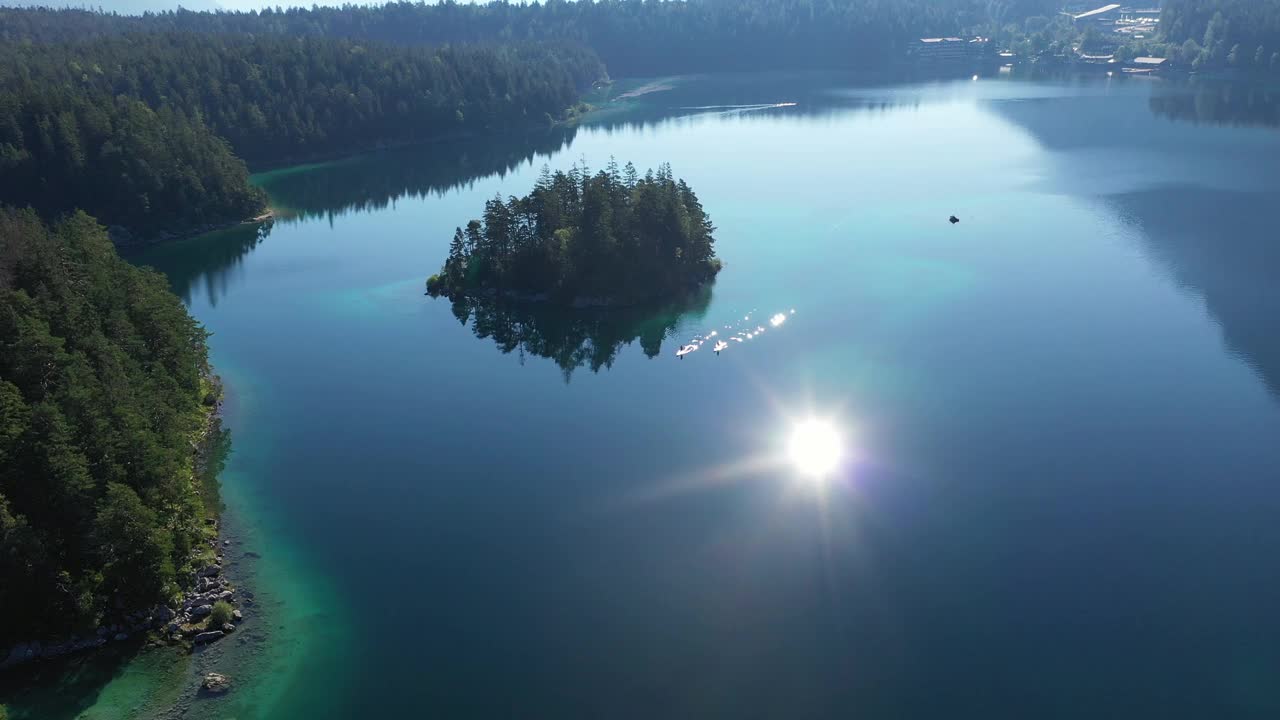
pixel 612 238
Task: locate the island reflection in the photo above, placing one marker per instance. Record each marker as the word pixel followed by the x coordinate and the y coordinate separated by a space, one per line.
pixel 576 338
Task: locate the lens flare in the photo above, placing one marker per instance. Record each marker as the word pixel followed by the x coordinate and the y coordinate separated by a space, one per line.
pixel 815 448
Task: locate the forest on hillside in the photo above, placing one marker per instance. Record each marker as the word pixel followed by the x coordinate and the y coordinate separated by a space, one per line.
pixel 632 37
pixel 153 170
pixel 1243 34
pixel 151 131
pixel 104 388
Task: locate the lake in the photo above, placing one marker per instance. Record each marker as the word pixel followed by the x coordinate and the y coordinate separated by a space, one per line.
pixel 1060 419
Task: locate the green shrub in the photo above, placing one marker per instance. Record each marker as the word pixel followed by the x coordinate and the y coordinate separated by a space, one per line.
pixel 221 614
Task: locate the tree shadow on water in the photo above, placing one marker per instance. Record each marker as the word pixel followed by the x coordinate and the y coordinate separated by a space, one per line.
pixel 67 688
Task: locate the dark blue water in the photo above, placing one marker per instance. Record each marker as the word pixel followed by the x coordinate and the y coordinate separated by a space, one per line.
pixel 1059 417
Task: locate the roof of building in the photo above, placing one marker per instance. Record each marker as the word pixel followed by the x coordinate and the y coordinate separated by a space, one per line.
pixel 1150 60
pixel 1097 11
pixel 938 40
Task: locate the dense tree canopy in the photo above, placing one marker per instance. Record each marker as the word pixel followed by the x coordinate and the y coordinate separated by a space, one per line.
pixel 610 236
pixel 1224 33
pixel 132 128
pixel 103 389
pixel 633 37
pixel 277 98
pixel 64 147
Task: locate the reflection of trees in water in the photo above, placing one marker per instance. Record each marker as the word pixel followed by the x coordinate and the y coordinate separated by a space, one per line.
pixel 1221 103
pixel 211 259
pixel 1220 244
pixel 576 338
pixel 374 181
pixel 1217 242
pixel 377 180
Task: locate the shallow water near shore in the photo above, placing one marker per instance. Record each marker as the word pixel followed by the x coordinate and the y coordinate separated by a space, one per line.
pixel 1060 416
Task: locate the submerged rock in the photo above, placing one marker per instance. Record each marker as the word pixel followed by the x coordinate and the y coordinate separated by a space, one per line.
pixel 216 683
pixel 208 637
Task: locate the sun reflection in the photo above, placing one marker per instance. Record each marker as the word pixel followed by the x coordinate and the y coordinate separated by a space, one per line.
pixel 815 447
pixel 806 450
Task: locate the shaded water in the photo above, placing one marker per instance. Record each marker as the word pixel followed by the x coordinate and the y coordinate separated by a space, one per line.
pixel 1062 417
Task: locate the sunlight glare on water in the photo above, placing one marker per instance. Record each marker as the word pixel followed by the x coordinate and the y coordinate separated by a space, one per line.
pixel 815 448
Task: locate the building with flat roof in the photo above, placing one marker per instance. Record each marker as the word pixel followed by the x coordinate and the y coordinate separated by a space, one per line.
pixel 949 49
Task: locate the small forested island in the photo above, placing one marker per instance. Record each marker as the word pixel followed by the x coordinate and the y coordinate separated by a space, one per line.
pixel 606 239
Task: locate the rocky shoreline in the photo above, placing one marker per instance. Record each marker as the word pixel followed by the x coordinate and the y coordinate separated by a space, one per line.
pixel 189 623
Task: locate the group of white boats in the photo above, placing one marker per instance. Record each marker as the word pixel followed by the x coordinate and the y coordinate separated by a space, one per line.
pixel 720 342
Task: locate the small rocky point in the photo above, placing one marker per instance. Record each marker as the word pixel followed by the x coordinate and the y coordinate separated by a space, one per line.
pixel 188 621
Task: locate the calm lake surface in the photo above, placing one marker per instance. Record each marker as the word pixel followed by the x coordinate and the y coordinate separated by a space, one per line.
pixel 1062 417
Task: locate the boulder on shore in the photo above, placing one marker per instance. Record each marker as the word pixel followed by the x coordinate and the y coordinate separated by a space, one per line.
pixel 216 683
pixel 208 637
pixel 201 611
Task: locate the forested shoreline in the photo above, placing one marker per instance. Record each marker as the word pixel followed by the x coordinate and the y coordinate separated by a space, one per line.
pixel 632 37
pixel 105 389
pixel 152 132
pixel 151 122
pixel 1237 34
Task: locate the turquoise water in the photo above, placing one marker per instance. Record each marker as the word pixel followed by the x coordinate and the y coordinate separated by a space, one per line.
pixel 1058 494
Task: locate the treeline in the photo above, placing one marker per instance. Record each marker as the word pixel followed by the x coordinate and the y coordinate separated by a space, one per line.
pixel 633 37
pixel 1242 34
pixel 132 128
pixel 611 237
pixel 278 98
pixel 64 147
pixel 104 389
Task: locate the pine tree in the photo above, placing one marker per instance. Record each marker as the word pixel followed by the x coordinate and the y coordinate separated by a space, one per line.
pixel 455 266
